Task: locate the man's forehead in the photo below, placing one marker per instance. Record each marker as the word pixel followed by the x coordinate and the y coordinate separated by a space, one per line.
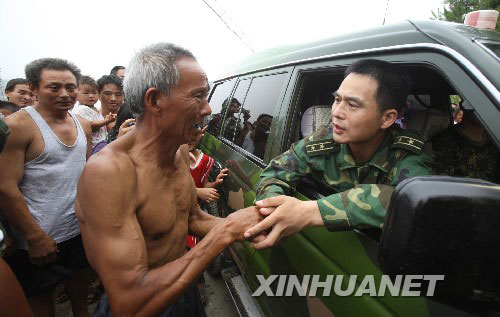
pixel 52 75
pixel 21 87
pixel 189 68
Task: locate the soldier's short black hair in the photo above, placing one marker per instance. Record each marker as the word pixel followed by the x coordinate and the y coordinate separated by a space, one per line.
pixel 109 79
pixel 394 83
pixel 9 106
pixel 115 69
pixel 87 80
pixel 11 84
pixel 34 69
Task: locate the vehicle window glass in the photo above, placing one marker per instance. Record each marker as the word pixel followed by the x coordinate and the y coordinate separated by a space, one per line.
pixel 220 94
pixel 231 125
pixel 256 114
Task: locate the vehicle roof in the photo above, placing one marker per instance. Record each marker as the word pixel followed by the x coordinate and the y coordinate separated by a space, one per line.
pixel 453 35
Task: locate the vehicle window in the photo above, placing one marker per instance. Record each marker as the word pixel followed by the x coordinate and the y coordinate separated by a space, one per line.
pixel 256 114
pixel 231 124
pixel 220 93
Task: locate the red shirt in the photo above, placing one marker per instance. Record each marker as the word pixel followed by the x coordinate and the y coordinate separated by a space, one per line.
pixel 199 172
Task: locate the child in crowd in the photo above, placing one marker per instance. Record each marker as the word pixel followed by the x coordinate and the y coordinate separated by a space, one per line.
pixel 87 98
pixel 200 165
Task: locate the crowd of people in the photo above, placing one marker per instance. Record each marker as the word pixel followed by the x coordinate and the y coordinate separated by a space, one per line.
pixel 106 174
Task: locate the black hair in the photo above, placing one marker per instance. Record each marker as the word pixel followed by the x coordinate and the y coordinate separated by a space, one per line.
pixel 124 113
pixel 87 80
pixel 34 69
pixel 11 84
pixel 262 116
pixel 229 101
pixel 9 106
pixel 394 83
pixel 109 79
pixel 115 69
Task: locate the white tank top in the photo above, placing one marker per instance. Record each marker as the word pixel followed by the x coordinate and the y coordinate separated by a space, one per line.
pixel 49 182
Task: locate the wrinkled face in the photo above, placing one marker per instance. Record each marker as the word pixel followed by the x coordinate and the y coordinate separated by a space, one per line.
pixel 57 89
pixel 87 95
pixel 356 117
pixel 183 110
pixel 21 95
pixel 120 73
pixel 111 98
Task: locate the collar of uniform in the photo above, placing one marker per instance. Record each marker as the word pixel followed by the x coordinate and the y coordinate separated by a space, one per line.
pixel 379 160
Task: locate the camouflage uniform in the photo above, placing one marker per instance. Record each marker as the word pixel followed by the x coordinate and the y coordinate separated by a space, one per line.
pixel 456 155
pixel 362 193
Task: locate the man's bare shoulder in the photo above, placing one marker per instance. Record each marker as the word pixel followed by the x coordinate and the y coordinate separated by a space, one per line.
pixel 109 172
pixel 22 131
pixel 85 124
pixel 20 124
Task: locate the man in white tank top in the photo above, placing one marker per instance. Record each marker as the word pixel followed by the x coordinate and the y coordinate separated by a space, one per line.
pixel 45 155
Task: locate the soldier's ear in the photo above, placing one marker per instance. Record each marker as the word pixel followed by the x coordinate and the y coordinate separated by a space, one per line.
pixel 151 101
pixel 388 118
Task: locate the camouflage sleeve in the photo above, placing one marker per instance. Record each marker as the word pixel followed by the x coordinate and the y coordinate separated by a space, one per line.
pixel 283 174
pixel 366 205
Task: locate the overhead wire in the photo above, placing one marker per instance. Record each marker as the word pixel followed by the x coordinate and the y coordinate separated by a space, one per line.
pixel 229 27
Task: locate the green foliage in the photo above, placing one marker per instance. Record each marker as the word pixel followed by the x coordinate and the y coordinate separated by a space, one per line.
pixel 455 10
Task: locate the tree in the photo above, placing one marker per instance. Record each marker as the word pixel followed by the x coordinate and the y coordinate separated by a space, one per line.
pixel 455 10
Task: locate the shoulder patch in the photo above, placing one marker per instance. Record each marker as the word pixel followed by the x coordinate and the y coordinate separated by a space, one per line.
pixel 410 142
pixel 321 142
pixel 320 147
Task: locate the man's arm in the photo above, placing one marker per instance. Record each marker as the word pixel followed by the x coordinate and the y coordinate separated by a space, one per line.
pixel 41 248
pixel 88 133
pixel 116 248
pixel 363 206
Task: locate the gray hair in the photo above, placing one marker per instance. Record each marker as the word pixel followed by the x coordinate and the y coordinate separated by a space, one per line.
pixel 153 66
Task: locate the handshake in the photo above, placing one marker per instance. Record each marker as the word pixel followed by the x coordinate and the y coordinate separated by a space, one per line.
pixel 273 219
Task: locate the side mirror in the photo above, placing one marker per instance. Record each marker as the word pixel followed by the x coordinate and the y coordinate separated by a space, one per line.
pixel 446 226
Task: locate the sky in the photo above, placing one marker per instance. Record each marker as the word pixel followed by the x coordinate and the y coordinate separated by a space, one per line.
pixel 97 35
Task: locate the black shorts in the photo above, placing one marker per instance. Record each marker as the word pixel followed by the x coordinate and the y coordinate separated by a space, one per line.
pixel 187 305
pixel 36 280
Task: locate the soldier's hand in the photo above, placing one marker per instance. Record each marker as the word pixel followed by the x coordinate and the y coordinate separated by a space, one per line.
pixel 42 250
pixel 285 216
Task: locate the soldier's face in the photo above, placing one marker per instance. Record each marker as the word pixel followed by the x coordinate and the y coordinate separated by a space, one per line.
pixel 356 117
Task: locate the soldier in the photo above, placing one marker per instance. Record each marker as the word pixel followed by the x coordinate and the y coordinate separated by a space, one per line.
pixel 464 150
pixel 362 157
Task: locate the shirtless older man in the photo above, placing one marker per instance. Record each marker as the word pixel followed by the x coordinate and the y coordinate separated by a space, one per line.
pixel 136 199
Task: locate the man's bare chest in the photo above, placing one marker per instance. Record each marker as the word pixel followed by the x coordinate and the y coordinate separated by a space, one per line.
pixel 164 202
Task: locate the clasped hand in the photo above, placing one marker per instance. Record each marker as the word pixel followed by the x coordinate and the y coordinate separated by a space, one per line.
pixel 284 216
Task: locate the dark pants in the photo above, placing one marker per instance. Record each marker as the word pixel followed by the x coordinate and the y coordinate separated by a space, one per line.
pixel 187 305
pixel 36 280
